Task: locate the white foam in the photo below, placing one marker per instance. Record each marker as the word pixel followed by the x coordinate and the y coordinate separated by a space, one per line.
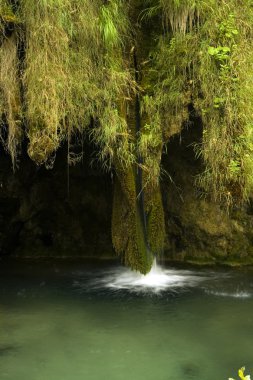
pixel 156 280
pixel 237 294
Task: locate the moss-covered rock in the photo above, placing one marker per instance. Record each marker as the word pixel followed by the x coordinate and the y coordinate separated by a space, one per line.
pixel 197 229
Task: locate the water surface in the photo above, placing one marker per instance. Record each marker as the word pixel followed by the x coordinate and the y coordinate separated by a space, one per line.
pixel 92 321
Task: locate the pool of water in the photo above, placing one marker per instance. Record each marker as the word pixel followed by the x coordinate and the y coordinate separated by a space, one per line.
pixel 84 321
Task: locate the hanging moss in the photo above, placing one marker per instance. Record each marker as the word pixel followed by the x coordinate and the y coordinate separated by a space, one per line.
pixel 204 57
pixel 76 66
pixel 10 101
pixel 45 79
pixel 119 84
pixel 225 77
pixel 124 73
pixel 7 15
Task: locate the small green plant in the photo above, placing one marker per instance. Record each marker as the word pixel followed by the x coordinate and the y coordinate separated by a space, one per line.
pixel 227 27
pixel 241 375
pixel 234 167
pixel 220 53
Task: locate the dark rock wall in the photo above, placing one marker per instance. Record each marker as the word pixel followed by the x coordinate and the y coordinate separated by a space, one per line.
pixel 40 216
pixel 198 230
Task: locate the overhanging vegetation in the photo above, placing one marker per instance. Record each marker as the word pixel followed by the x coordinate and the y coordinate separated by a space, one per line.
pixel 125 73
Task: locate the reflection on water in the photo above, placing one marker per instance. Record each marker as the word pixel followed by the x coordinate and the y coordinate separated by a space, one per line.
pixel 95 323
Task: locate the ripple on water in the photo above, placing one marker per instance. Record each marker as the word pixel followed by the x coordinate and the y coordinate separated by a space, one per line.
pixel 7 350
pixel 236 294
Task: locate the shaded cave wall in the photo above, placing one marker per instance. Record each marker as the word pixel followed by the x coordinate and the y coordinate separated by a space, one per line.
pixel 56 212
pixel 41 216
pixel 198 230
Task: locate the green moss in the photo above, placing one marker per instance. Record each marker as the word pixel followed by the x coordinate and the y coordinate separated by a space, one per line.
pixel 205 57
pixel 128 235
pixel 84 70
pixel 137 255
pixel 224 75
pixel 155 220
pixel 119 223
pixel 7 15
pixel 200 262
pixel 236 262
pixel 10 96
pixel 84 59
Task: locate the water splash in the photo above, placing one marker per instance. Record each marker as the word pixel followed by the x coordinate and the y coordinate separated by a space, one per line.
pixel 157 280
pixel 163 280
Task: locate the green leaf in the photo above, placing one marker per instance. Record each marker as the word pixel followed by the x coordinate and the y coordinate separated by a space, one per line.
pixel 212 50
pixel 225 49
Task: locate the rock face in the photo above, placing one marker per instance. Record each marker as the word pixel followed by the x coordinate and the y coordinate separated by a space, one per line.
pixel 198 230
pixel 39 217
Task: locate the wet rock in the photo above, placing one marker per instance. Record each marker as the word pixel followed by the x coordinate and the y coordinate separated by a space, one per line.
pixel 43 213
pixel 198 230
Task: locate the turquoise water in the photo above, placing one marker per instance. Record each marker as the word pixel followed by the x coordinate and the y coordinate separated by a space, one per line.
pixel 80 321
